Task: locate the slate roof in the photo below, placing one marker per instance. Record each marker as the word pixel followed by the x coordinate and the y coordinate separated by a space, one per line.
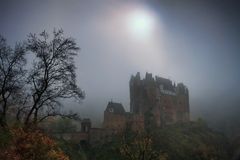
pixel 116 108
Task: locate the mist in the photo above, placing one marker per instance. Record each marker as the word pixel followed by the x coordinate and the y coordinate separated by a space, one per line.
pixel 194 42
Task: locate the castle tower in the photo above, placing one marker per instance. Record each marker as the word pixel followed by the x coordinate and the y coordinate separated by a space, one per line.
pixel 142 93
pixel 114 116
pixel 85 125
pixel 159 99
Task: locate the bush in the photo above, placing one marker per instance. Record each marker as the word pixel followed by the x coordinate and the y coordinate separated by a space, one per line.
pixel 31 145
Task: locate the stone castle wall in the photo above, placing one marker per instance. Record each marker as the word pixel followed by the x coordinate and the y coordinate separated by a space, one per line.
pixel 168 103
pixel 153 101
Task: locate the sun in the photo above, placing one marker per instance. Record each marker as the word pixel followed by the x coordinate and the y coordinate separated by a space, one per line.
pixel 141 23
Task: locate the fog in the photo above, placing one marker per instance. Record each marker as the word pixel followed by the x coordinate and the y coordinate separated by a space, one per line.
pixel 194 42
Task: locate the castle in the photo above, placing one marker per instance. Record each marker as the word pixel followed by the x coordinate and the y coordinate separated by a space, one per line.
pixel 153 101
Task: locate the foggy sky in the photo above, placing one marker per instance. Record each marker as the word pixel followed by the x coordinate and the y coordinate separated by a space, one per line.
pixel 194 42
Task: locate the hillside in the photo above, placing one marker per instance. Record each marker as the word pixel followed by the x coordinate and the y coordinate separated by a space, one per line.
pixel 191 141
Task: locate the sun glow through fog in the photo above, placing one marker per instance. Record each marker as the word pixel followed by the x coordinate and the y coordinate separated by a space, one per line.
pixel 141 23
pixel 136 35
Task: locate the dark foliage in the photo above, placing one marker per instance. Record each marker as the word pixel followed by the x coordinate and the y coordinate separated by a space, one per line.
pixel 190 141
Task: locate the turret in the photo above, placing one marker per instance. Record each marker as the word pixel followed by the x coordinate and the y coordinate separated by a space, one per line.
pixel 85 125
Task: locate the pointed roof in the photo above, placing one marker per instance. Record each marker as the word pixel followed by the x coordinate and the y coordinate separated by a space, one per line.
pixel 116 108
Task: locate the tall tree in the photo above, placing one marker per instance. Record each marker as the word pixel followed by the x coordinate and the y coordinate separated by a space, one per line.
pixel 12 74
pixel 52 76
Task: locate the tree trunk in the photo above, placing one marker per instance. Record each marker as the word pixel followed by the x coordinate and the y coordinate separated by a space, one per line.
pixel 35 116
pixel 29 115
pixel 3 120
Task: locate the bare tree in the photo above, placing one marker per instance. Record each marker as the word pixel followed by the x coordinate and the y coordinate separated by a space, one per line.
pixel 12 74
pixel 52 76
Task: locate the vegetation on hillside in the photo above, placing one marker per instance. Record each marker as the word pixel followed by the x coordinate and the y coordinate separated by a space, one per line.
pixel 190 141
pixel 20 144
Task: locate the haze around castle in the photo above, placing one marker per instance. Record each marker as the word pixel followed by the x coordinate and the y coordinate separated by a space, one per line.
pixel 195 43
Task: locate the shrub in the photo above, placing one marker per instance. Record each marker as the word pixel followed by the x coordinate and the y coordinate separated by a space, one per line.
pixel 31 145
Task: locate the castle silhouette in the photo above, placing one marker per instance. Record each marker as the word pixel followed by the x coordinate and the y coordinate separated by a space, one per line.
pixel 154 102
